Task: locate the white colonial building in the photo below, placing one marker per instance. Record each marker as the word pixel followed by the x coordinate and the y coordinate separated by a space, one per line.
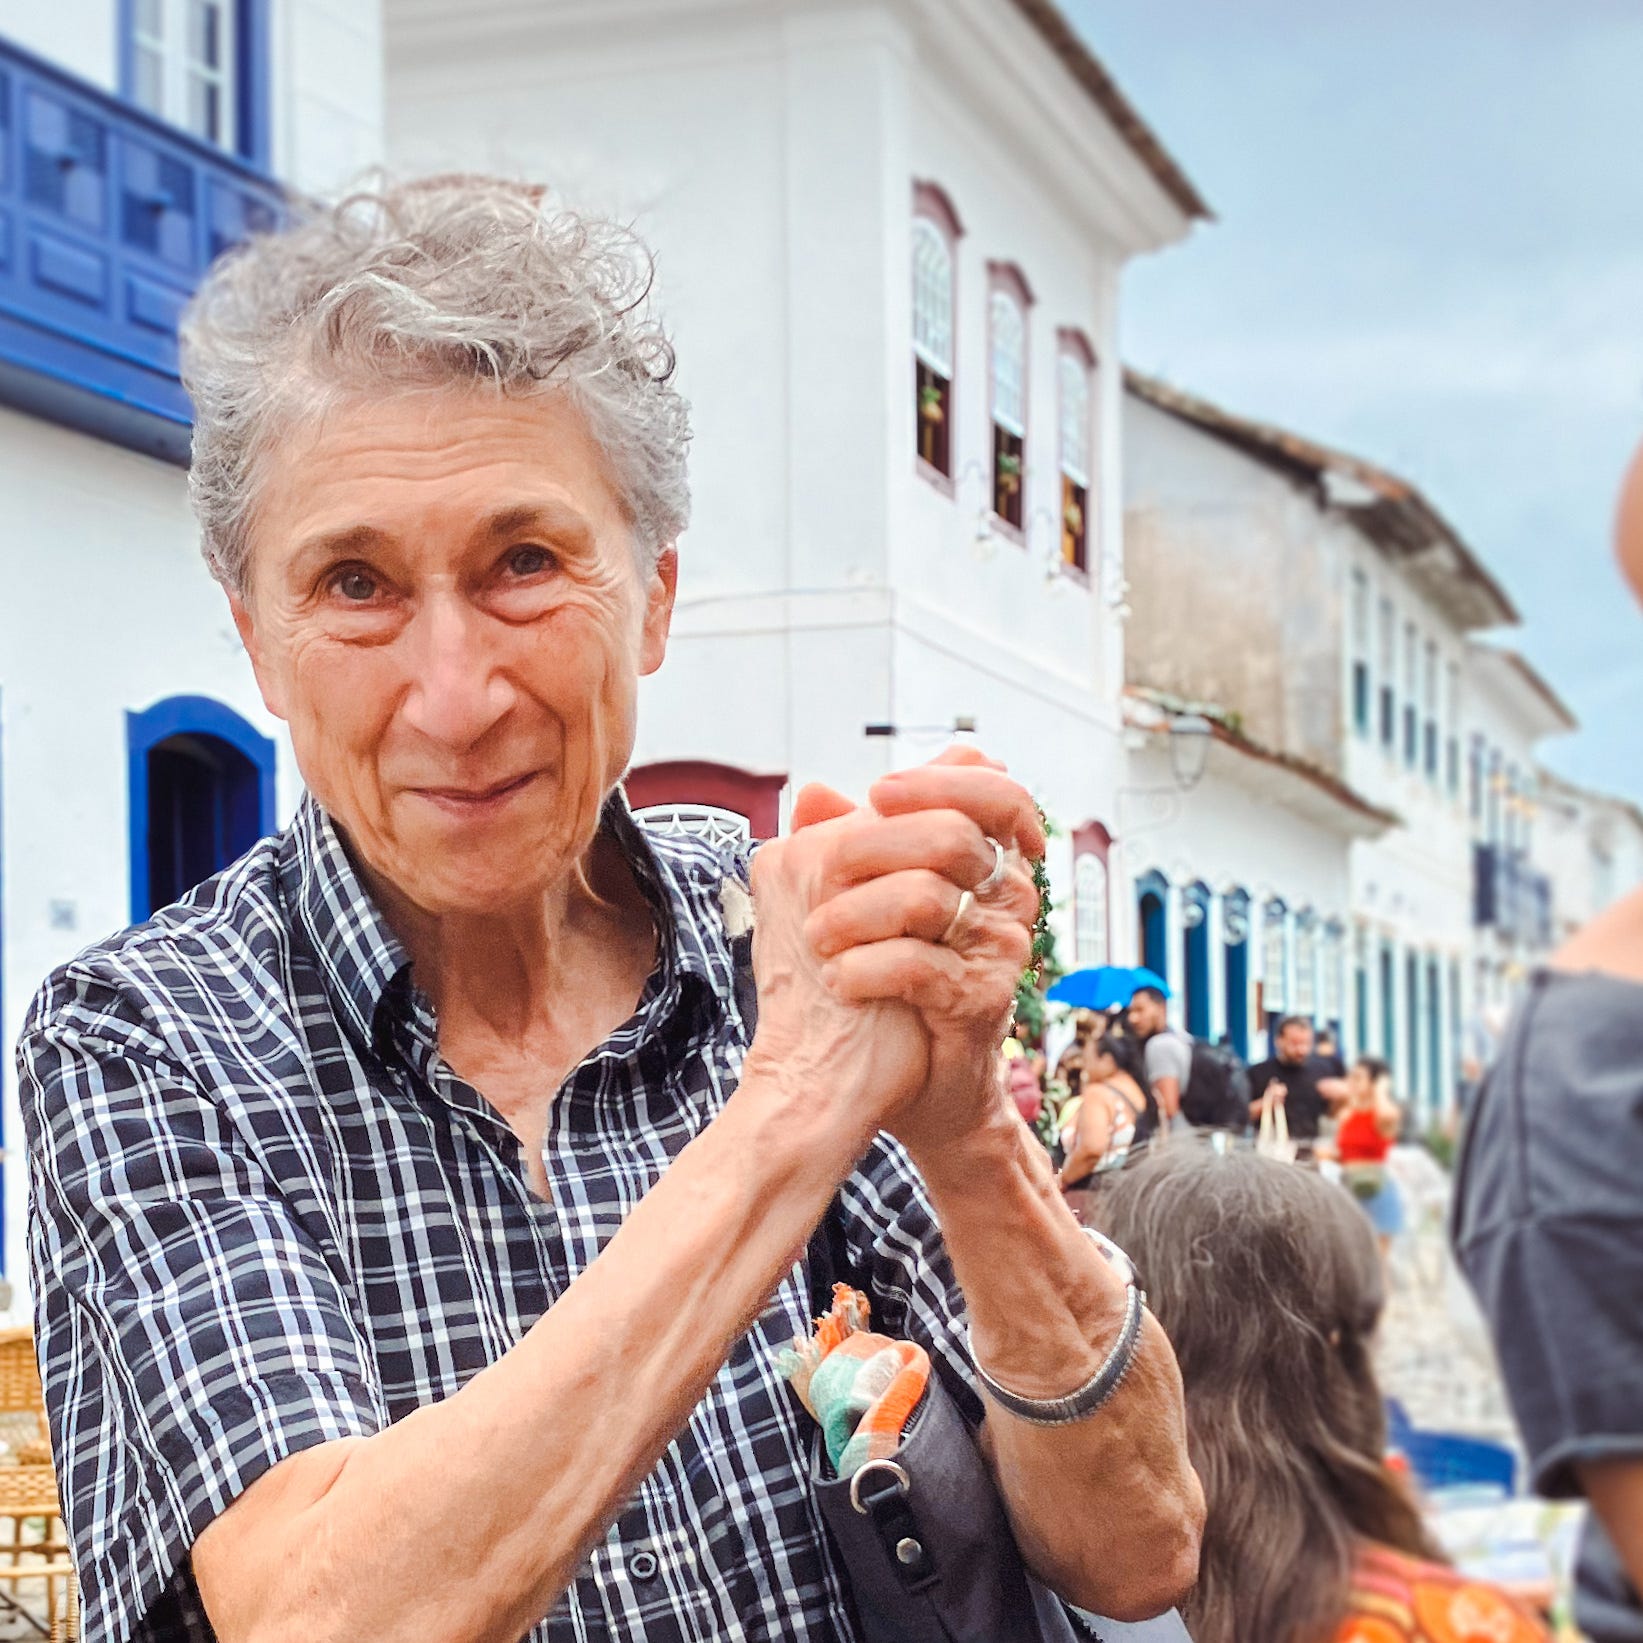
pixel 890 239
pixel 1327 620
pixel 136 141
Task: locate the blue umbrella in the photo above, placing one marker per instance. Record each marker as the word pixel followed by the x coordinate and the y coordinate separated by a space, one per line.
pixel 1104 987
pixel 1143 977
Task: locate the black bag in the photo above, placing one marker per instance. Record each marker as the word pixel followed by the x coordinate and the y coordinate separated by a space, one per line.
pixel 927 1551
pixel 1217 1092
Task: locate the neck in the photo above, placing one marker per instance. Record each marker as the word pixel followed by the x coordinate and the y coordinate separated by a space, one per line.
pixel 499 969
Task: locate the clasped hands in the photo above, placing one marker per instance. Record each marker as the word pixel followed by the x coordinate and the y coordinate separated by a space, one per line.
pixel 887 947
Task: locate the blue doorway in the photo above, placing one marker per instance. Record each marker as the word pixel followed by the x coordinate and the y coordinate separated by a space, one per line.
pixel 201 786
pixel 1195 918
pixel 1151 893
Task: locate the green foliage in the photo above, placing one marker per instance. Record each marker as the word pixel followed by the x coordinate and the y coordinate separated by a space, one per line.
pixel 1044 966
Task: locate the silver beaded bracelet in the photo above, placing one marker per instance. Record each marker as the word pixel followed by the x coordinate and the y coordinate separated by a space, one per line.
pixel 1099 1388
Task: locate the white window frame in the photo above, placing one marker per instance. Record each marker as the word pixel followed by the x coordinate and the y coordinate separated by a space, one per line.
pixel 164 33
pixel 933 276
pixel 1007 362
pixel 1091 887
pixel 1077 430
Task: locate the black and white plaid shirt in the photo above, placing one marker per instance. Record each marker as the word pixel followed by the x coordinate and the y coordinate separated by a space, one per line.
pixel 265 1214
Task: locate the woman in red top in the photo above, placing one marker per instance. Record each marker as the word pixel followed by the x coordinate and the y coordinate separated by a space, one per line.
pixel 1363 1138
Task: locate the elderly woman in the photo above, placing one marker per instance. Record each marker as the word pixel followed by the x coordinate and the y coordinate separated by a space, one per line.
pixel 415 1206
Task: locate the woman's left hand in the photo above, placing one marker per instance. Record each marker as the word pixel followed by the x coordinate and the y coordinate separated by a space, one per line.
pixel 959 958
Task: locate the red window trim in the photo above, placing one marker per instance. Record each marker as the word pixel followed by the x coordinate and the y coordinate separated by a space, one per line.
pixel 1094 839
pixel 1070 339
pixel 933 203
pixel 1008 278
pixel 698 781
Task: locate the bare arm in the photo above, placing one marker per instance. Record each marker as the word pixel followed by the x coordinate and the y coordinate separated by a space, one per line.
pixel 1090 1138
pixel 1335 1092
pixel 1108 1510
pixel 1167 1093
pixel 517 1476
pixel 1615 1489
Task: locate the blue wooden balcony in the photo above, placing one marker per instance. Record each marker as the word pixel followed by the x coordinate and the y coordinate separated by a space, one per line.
pixel 108 218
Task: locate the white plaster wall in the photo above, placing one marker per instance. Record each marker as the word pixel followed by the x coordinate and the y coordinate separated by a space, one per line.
pixel 327 92
pixel 77 35
pixel 1002 586
pixel 107 607
pixel 769 160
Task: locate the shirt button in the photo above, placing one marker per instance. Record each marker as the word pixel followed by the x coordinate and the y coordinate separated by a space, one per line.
pixel 644 1565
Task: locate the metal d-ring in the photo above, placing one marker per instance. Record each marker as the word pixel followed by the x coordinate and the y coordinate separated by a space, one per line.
pixel 897 1473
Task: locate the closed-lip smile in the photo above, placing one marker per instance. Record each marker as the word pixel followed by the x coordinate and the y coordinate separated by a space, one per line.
pixel 468 800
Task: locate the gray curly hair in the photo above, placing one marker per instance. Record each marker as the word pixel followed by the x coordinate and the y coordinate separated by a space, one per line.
pixel 446 279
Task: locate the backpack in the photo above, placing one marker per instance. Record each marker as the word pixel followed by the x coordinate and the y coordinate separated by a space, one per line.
pixel 1217 1093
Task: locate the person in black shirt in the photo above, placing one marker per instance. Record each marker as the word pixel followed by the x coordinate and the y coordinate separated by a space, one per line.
pixel 1306 1084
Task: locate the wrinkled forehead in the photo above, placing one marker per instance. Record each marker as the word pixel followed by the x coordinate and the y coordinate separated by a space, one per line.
pixel 434 466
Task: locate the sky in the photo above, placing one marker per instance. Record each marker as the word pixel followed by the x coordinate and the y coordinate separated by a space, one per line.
pixel 1428 252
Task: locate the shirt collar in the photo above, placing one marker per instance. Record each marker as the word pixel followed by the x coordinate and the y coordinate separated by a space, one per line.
pixel 360 958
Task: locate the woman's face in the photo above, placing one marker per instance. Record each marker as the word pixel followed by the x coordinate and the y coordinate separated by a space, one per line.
pixel 1360 1087
pixel 1099 1064
pixel 446 608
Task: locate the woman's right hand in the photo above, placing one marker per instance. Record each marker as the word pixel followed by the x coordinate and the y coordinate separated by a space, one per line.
pixel 859 1062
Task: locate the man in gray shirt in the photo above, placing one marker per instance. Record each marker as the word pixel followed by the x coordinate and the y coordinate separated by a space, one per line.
pixel 1168 1053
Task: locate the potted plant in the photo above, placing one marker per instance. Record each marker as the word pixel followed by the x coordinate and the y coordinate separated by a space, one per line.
pixel 1009 473
pixel 929 403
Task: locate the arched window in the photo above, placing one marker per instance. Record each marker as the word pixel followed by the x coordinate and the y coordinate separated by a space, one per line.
pixel 714 801
pixel 1274 954
pixel 1089 911
pixel 1195 903
pixel 1007 370
pixel 936 232
pixel 201 784
pixel 1235 937
pixel 1306 964
pixel 1074 371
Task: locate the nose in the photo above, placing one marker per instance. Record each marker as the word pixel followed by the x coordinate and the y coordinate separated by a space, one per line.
pixel 458 689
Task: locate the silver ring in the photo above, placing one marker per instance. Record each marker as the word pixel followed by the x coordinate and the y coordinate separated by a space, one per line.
pixel 902 1481
pixel 966 901
pixel 996 877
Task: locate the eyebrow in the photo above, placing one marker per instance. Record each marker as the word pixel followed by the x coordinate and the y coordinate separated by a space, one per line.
pixel 550 518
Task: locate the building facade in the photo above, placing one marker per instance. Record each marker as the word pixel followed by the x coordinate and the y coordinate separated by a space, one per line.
pixel 1320 609
pixel 137 141
pixel 890 239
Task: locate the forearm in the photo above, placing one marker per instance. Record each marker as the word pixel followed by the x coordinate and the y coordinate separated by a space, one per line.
pixel 1107 1510
pixel 1615 1489
pixel 516 1477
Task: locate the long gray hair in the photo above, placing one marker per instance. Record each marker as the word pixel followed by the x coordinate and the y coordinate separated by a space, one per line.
pixel 1268 1283
pixel 447 280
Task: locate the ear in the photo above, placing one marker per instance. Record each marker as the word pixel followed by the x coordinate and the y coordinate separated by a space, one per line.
pixel 660 590
pixel 247 631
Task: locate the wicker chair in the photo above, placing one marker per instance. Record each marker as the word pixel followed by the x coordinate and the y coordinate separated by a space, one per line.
pixel 28 1491
pixel 34 1544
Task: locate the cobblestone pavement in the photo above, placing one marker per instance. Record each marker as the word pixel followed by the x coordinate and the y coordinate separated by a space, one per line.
pixel 1434 1354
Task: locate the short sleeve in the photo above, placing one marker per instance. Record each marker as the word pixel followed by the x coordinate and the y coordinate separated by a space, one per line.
pixel 190 1331
pixel 896 1247
pixel 1548 1221
pixel 1168 1056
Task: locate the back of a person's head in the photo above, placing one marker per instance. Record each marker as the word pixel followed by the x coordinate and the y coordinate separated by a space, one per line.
pixel 1267 1281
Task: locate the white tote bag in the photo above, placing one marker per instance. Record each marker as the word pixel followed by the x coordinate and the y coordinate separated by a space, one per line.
pixel 1272 1140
